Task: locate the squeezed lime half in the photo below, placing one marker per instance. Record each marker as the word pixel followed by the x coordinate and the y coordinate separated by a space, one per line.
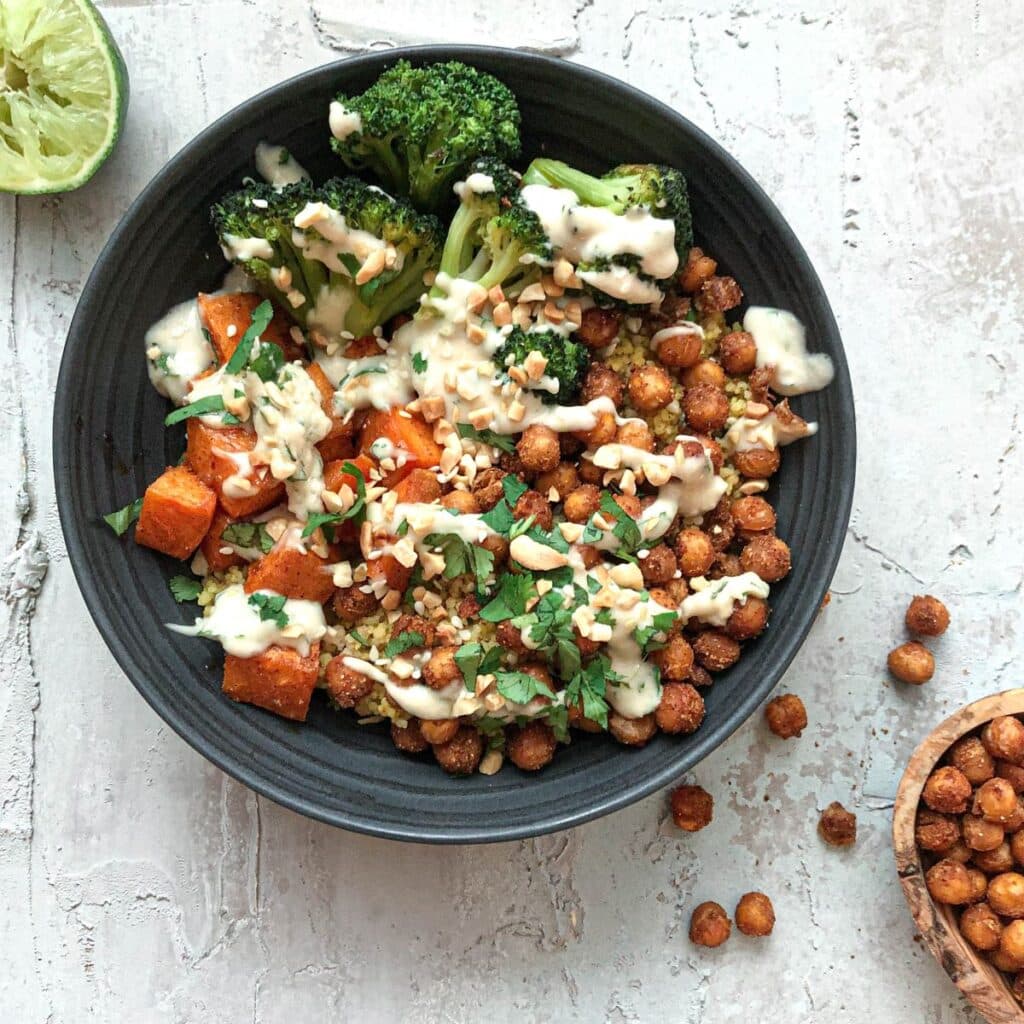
pixel 63 94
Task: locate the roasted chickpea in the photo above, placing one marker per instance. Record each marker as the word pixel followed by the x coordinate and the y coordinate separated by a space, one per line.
pixel 583 502
pixel 786 715
pixel 709 925
pixel 1004 739
pixel 748 619
pixel 560 480
pixel 994 861
pixel 694 552
pixel 704 371
pixel 589 555
pixel 649 388
pixel 737 352
pixel 439 731
pixel 752 516
pixel 531 747
pixel 948 882
pixel 602 432
pixel 725 565
pixel 538 448
pixel 692 807
pixel 706 408
pixel 947 790
pixel 602 381
pixel 757 463
pixel 1011 942
pixel 768 556
pixel 580 721
pixel 719 525
pixel 927 616
pixel 510 637
pixel 462 753
pixel 681 709
pixel 1002 962
pixel 719 294
pixel 632 732
pixel 675 660
pixel 345 686
pixel 409 740
pixel 487 488
pixel 1013 773
pixel 670 595
pixel 1017 847
pixel 590 474
pixel 697 269
pixel 971 757
pixel 406 623
pixel 838 826
pixel 679 351
pixel 716 651
pixel 755 914
pixel 532 503
pixel 911 663
pixel 636 434
pixel 441 669
pixel 469 608
pixel 462 502
pixel 959 851
pixel 712 450
pixel 700 676
pixel 980 834
pixel 981 927
pixel 630 504
pixel 599 327
pixel 497 545
pixel 979 884
pixel 658 565
pixel 351 604
pixel 935 832
pixel 995 800
pixel 1015 822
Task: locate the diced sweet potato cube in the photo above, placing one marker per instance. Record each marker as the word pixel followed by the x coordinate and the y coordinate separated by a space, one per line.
pixel 335 476
pixel 406 431
pixel 279 679
pixel 363 347
pixel 213 542
pixel 177 510
pixel 342 433
pixel 388 567
pixel 419 485
pixel 294 573
pixel 209 455
pixel 227 317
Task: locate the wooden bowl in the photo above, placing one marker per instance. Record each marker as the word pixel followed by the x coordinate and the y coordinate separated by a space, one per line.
pixel 979 981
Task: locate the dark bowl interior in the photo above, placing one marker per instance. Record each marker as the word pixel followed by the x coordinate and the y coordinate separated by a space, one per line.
pixel 109 443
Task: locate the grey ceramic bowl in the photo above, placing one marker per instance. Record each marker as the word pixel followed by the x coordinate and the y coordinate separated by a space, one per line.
pixel 109 443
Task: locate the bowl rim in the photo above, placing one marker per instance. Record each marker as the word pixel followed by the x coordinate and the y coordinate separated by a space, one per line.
pixel 975 978
pixel 633 788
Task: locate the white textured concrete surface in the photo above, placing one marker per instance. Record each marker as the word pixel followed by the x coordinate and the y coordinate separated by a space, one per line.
pixel 138 883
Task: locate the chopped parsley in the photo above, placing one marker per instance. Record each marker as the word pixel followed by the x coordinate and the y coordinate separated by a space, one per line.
pixel 120 520
pixel 625 529
pixel 357 511
pixel 550 628
pixel 162 362
pixel 184 588
pixel 460 557
pixel 587 689
pixel 475 660
pixel 261 317
pixel 402 643
pixel 661 623
pixel 491 437
pixel 514 590
pixel 201 407
pixel 419 365
pixel 271 608
pixel 267 363
pixel 358 637
pixel 521 687
pixel 248 535
pixel 500 518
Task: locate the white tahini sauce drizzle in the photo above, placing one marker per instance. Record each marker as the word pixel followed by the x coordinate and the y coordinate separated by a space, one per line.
pixel 235 623
pixel 177 351
pixel 623 284
pixel 276 165
pixel 768 432
pixel 476 183
pixel 343 122
pixel 236 248
pixel 713 601
pixel 782 344
pixel 331 235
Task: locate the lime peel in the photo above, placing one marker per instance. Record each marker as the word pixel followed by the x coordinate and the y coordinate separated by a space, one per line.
pixel 63 94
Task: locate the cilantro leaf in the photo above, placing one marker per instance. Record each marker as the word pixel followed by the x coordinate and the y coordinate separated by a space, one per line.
pixel 201 407
pixel 248 535
pixel 513 488
pixel 557 716
pixel 350 263
pixel 402 643
pixel 496 440
pixel 625 529
pixel 270 607
pixel 460 557
pixel 514 589
pixel 120 520
pixel 261 317
pixel 521 687
pixel 184 588
pixel 357 511
pixel 268 362
pixel 500 518
pixel 419 365
pixel 586 689
pixel 475 660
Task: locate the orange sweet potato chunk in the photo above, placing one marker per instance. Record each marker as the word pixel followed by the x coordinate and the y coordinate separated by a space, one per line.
pixel 227 317
pixel 294 573
pixel 209 456
pixel 340 442
pixel 419 485
pixel 406 431
pixel 279 680
pixel 388 567
pixel 212 543
pixel 177 510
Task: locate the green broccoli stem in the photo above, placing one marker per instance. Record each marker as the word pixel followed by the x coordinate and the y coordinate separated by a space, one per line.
pixel 590 190
pixel 387 165
pixel 509 272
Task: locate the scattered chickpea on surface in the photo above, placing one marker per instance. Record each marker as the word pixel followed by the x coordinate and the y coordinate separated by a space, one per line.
pixel 786 715
pixel 927 616
pixel 755 914
pixel 692 808
pixel 838 826
pixel 911 663
pixel 710 925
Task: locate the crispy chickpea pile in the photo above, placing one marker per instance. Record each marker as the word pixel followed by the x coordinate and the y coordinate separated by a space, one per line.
pixel 970 832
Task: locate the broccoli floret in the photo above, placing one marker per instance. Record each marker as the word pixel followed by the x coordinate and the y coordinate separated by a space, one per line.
pixel 660 190
pixel 567 361
pixel 310 270
pixel 632 278
pixel 417 129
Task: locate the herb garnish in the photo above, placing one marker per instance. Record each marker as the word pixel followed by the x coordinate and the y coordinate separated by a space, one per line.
pixel 184 588
pixel 248 535
pixel 491 437
pixel 261 317
pixel 402 643
pixel 357 511
pixel 201 407
pixel 271 608
pixel 120 520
